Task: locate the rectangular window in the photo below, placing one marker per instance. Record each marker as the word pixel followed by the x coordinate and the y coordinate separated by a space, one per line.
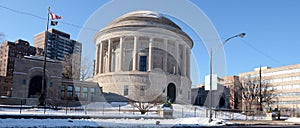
pixel 85 93
pixel 62 92
pixel 125 90
pixel 143 63
pixel 142 90
pixel 70 91
pixel 77 91
pixel 93 91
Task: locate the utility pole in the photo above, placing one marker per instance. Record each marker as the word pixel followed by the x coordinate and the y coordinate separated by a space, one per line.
pixel 210 87
pixel 260 96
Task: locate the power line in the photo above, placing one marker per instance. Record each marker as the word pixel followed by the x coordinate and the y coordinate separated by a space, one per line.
pixel 42 18
pixel 262 53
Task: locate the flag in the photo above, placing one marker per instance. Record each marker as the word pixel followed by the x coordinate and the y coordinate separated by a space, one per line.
pixel 54 16
pixel 54 23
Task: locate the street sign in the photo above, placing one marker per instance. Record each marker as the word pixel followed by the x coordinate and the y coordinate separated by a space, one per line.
pixel 214 82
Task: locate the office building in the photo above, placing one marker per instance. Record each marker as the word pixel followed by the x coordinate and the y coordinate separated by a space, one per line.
pixel 284 82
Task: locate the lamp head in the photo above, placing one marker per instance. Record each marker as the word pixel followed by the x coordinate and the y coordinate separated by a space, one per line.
pixel 242 35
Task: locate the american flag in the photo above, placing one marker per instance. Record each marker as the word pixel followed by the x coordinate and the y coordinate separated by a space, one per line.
pixel 54 16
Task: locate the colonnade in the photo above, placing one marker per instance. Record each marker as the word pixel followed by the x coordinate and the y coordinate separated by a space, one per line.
pixel 110 55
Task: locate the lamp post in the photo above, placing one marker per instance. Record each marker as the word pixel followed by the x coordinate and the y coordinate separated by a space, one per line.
pixel 241 35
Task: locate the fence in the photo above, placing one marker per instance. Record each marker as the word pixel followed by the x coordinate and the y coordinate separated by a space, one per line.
pixel 117 110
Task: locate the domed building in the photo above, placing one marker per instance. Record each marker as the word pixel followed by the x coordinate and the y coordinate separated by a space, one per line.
pixel 143 56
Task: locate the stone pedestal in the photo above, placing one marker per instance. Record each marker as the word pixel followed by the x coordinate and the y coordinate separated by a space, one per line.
pixel 166 112
pixel 270 116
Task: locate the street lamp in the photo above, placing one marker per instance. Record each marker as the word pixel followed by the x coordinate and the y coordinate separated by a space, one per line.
pixel 241 35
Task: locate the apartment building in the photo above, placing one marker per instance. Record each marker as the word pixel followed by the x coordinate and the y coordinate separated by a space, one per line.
pixel 61 47
pixel 11 50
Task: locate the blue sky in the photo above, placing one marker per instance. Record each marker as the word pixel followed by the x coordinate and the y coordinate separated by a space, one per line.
pixel 272 28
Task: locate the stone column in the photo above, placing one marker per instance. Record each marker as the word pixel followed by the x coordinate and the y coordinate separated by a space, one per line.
pixel 184 61
pixel 150 55
pixel 100 56
pixel 121 54
pixel 109 54
pixel 176 57
pixel 188 66
pixel 165 66
pixel 134 57
pixel 96 64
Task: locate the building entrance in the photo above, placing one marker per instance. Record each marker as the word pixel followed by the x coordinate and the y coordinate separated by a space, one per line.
pixel 171 92
pixel 35 87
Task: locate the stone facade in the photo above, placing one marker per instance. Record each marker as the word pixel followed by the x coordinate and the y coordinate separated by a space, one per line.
pixel 220 98
pixel 29 70
pixel 143 55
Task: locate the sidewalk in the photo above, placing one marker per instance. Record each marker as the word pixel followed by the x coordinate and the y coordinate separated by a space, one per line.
pixel 262 122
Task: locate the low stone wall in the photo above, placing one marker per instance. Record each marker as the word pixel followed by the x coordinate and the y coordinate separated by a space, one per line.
pixel 166 112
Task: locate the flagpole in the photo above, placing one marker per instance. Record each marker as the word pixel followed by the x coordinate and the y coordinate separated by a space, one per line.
pixel 42 98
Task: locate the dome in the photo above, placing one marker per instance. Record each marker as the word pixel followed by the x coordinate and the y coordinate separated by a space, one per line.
pixel 143 19
pixel 148 18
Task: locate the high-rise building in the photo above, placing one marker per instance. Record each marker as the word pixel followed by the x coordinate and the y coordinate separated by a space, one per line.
pixel 61 47
pixel 11 50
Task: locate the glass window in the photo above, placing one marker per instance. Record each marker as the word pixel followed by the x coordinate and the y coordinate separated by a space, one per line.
pixel 85 93
pixel 93 91
pixel 70 91
pixel 62 92
pixel 77 91
pixel 125 90
pixel 143 63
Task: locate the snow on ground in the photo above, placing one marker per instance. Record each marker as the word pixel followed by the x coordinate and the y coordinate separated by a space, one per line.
pixel 293 119
pixel 184 115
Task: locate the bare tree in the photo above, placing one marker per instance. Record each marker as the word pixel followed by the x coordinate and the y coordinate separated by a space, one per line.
pixel 145 106
pixel 235 96
pixel 67 67
pixel 86 68
pixel 267 94
pixel 251 90
pixel 53 97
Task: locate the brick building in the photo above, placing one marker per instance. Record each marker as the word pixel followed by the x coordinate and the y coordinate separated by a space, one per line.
pixel 11 50
pixel 5 85
pixel 234 85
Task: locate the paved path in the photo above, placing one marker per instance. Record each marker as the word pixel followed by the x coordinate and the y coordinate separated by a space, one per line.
pixel 264 122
